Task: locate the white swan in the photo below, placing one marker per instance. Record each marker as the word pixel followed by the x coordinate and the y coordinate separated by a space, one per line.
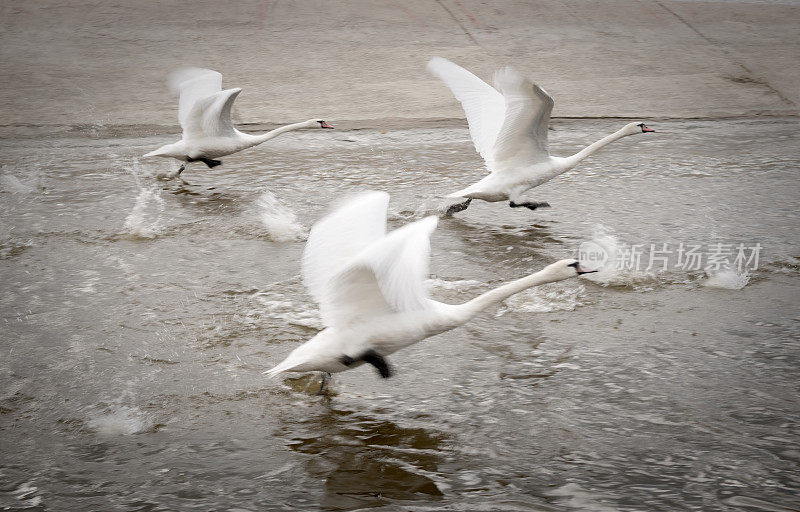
pixel 508 125
pixel 369 286
pixel 204 111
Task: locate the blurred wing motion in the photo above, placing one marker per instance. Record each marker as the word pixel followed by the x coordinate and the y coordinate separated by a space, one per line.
pixel 204 109
pixel 191 85
pixel 482 104
pixel 506 127
pixel 341 235
pixel 354 271
pixel 523 137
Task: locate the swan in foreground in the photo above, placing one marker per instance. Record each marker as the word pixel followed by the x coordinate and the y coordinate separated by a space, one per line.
pixel 204 111
pixel 369 286
pixel 508 125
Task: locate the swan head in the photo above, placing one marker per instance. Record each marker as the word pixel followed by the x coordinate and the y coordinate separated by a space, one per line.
pixel 318 123
pixel 564 269
pixel 636 127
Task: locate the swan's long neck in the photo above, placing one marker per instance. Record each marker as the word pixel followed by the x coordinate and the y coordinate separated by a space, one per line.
pixel 573 160
pixel 503 292
pixel 258 139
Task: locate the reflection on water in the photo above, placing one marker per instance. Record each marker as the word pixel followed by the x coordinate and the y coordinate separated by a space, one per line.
pixel 367 462
pixel 138 314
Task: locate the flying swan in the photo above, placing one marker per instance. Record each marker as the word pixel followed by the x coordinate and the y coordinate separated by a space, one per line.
pixel 508 125
pixel 204 111
pixel 369 286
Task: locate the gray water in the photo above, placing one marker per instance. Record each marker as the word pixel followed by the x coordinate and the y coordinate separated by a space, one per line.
pixel 138 314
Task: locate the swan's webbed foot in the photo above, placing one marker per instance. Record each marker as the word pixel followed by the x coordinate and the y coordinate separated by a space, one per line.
pixel 529 205
pixel 323 386
pixel 458 207
pixel 183 166
pixel 209 162
pixel 373 358
pixel 378 361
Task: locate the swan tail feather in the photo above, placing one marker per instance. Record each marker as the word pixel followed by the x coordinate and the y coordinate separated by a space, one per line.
pixel 456 195
pixel 156 152
pixel 277 370
pixel 464 192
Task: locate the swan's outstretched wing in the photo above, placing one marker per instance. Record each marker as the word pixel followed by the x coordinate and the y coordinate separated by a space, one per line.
pixel 217 120
pixel 191 85
pixel 523 137
pixel 211 116
pixel 341 235
pixel 483 105
pixel 386 277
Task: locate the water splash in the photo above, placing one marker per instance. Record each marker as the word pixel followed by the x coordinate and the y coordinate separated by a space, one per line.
pixel 544 299
pixel 574 497
pixel 281 223
pixel 278 305
pixel 149 170
pixel 144 219
pixel 22 181
pixel 727 279
pixel 25 492
pixel 433 205
pixel 436 283
pixel 120 420
pixel 609 252
pixel 12 184
pixel 601 253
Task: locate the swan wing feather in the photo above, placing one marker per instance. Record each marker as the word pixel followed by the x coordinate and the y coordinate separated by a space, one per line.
pixel 341 235
pixel 191 85
pixel 388 276
pixel 217 115
pixel 523 136
pixel 483 105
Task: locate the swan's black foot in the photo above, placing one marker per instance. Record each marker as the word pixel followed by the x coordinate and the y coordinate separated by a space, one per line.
pixel 373 358
pixel 323 386
pixel 377 360
pixel 210 163
pixel 529 205
pixel 458 207
pixel 183 166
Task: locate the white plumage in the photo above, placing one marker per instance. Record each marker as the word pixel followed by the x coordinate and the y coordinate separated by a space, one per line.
pixel 508 125
pixel 369 286
pixel 204 112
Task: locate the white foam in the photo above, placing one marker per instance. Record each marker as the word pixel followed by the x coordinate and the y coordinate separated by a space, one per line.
pixel 460 284
pixel 609 272
pixel 12 184
pixel 22 180
pixel 27 492
pixel 144 219
pixel 122 420
pixel 577 498
pixel 605 241
pixel 150 169
pixel 281 222
pixel 727 279
pixel 278 305
pixel 545 299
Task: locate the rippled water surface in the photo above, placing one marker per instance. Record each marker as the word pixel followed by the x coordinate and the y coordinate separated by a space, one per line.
pixel 138 314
